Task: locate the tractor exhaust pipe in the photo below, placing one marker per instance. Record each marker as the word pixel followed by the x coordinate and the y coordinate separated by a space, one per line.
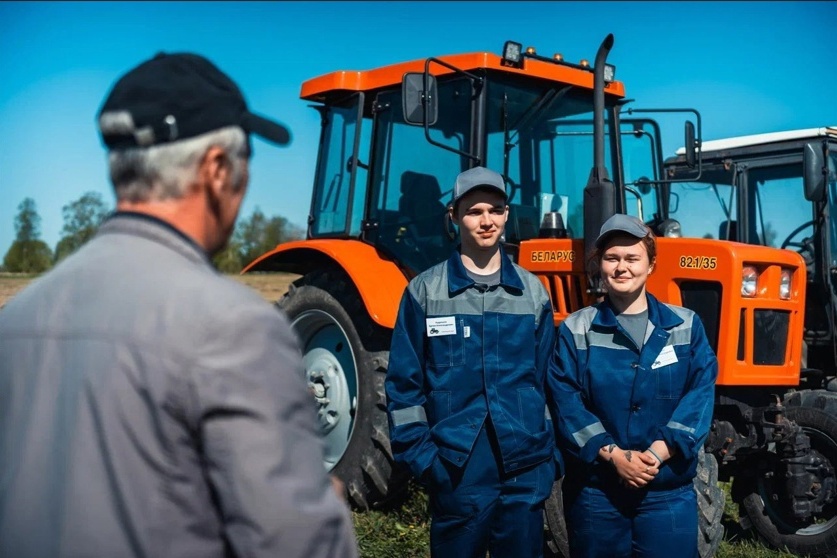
pixel 600 193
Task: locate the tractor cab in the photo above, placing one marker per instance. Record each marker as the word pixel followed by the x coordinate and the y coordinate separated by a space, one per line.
pixel 778 190
pixel 395 138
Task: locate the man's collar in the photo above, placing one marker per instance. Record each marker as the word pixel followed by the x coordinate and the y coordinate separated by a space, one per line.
pixel 145 223
pixel 459 280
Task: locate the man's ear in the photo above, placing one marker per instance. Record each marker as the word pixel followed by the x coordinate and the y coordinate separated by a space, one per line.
pixel 214 170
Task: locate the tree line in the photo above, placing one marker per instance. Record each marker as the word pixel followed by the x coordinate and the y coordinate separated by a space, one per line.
pixel 253 236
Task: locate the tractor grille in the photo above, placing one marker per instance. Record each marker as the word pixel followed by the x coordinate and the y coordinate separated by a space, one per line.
pixel 567 291
pixel 770 336
pixel 704 298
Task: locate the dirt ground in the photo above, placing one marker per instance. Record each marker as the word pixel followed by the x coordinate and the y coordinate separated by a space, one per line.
pixel 270 285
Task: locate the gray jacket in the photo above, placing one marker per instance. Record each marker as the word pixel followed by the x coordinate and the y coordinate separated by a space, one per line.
pixel 151 407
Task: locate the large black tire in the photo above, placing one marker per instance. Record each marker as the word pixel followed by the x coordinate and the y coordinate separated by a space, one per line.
pixel 557 543
pixel 345 356
pixel 776 525
pixel 710 499
pixel 821 399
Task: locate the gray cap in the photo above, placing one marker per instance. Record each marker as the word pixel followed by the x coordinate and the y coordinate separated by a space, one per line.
pixel 477 177
pixel 624 224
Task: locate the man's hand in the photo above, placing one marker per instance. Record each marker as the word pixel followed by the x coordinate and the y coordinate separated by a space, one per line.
pixel 339 488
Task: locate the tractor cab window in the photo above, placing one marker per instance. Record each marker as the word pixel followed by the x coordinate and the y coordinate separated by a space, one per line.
pixel 706 209
pixel 772 210
pixel 340 185
pixel 541 139
pixel 412 178
pixel 781 217
pixel 641 155
pixel 831 188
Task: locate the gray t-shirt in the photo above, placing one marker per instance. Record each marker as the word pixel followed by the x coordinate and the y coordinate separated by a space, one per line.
pixel 487 280
pixel 635 325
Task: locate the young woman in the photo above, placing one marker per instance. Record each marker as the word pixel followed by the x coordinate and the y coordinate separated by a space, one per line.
pixel 632 383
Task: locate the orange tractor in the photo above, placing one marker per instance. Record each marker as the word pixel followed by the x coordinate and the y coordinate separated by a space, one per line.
pixel 778 190
pixel 393 140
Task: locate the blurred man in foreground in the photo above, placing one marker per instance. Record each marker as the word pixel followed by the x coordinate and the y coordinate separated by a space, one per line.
pixel 148 405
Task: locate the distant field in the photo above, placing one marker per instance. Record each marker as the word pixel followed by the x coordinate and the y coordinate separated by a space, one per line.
pixel 10 284
pixel 270 285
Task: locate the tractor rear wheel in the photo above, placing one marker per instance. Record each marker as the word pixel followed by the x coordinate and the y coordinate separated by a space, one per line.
pixel 765 504
pixel 557 543
pixel 345 357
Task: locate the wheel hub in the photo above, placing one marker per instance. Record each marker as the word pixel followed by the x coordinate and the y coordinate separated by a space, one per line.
pixel 325 381
pixel 331 378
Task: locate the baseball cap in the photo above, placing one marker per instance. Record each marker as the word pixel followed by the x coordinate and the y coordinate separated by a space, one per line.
pixel 621 223
pixel 178 96
pixel 477 177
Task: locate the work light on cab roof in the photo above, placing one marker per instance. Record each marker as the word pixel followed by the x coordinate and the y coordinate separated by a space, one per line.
pixel 514 54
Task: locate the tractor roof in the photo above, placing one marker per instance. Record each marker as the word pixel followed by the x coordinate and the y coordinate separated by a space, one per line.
pixel 760 139
pixel 337 84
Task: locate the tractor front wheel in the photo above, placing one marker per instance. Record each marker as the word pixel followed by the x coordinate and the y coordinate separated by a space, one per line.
pixel 766 505
pixel 345 357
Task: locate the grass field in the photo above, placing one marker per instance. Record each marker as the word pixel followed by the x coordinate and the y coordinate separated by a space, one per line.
pixel 404 532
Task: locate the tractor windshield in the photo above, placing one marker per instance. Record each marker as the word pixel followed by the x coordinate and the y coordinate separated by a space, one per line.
pixel 754 203
pixel 538 134
pixel 541 139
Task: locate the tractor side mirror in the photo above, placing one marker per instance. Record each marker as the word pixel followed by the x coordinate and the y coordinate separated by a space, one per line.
pixel 418 101
pixel 813 169
pixel 690 143
pixel 643 184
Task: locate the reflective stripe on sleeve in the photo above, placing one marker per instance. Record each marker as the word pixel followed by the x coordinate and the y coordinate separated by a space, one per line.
pixel 401 417
pixel 583 436
pixel 678 426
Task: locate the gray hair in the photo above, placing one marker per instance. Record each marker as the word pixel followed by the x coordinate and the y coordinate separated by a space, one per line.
pixel 165 171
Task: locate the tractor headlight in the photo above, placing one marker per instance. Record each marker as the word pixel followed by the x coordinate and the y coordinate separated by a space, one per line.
pixel 670 228
pixel 749 281
pixel 785 284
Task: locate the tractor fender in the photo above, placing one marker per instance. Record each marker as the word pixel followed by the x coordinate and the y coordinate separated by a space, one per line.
pixel 379 280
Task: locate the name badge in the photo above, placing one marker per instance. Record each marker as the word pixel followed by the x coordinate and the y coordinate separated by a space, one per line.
pixel 667 356
pixel 445 325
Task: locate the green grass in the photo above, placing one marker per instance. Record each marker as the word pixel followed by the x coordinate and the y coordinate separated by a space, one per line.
pixel 404 531
pixel 738 543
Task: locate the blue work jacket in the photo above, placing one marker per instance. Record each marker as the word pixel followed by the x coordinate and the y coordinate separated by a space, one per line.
pixel 460 355
pixel 606 391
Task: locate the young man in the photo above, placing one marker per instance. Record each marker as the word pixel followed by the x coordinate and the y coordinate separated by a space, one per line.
pixel 150 406
pixel 465 386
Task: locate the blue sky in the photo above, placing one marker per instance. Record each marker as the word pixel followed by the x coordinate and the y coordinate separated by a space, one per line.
pixel 748 67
